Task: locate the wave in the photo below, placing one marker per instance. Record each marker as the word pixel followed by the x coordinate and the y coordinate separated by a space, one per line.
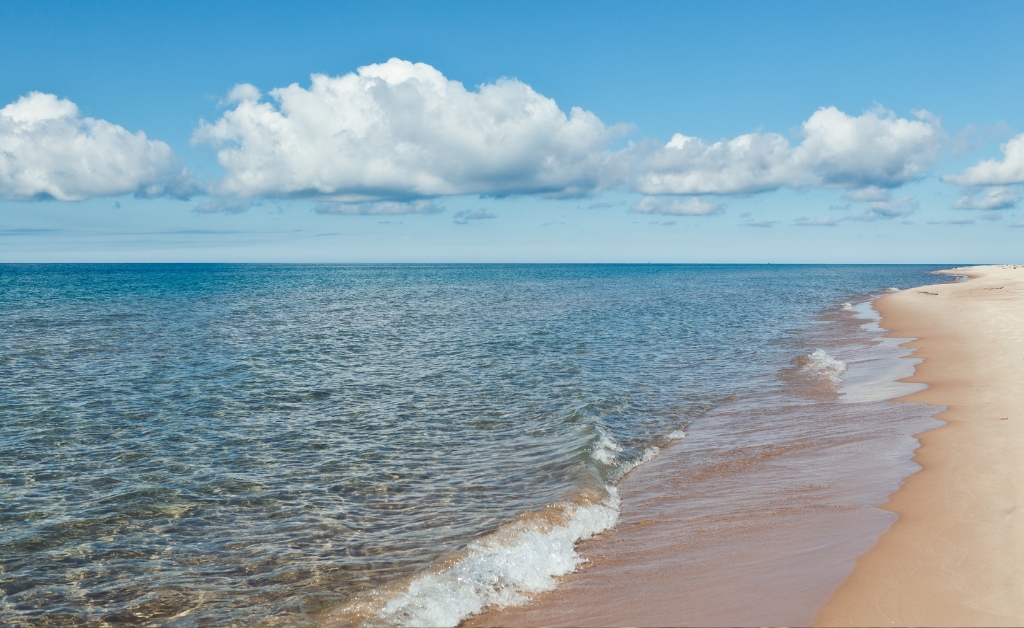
pixel 823 366
pixel 647 455
pixel 510 565
pixel 606 449
pixel 846 307
pixel 504 568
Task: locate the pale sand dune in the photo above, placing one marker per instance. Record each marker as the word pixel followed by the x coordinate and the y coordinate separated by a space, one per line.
pixel 956 555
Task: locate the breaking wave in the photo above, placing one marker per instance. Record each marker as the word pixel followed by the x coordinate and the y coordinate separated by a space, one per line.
pixel 823 366
pixel 510 565
pixel 504 568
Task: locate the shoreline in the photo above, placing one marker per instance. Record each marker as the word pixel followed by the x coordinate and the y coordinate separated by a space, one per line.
pixel 756 527
pixel 956 554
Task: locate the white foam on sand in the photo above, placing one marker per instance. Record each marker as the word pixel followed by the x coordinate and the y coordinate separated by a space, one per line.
pixel 873 374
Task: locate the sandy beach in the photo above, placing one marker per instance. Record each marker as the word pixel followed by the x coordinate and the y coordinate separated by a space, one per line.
pixel 952 557
pixel 955 557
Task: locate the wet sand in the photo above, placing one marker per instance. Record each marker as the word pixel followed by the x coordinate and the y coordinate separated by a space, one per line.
pixel 955 557
pixel 754 519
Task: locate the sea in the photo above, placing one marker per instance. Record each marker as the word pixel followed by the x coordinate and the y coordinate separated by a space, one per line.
pixel 220 444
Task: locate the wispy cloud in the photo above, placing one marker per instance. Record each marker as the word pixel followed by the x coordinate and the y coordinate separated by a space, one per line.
pixel 463 217
pixel 868 194
pixel 953 221
pixel 974 136
pixel 804 221
pixel 886 210
pixel 381 208
pixel 225 206
pixel 27 232
pixel 676 207
pixel 987 199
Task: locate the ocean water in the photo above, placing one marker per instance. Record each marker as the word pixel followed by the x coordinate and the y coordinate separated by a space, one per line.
pixel 396 444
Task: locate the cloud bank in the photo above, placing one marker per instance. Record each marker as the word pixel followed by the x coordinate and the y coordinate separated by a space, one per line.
pixel 400 130
pixel 389 138
pixel 48 150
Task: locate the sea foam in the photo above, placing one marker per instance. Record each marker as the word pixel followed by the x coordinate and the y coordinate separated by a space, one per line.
pixel 503 568
pixel 518 560
pixel 606 449
pixel 822 365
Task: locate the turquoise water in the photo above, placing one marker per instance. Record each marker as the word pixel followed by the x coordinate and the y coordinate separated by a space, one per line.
pixel 254 444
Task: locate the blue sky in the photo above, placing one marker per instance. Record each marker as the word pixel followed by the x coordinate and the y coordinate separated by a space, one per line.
pixel 808 132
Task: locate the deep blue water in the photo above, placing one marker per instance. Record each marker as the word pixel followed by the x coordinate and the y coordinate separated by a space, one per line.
pixel 218 444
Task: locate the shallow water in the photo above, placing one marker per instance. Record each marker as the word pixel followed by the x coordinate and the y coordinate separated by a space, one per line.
pixel 222 444
pixel 758 516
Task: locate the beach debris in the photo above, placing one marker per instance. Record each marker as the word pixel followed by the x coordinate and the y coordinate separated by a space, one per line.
pixel 999 288
pixel 1005 418
pixel 926 292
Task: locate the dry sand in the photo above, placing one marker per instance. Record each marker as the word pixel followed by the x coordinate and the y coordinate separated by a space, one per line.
pixel 955 557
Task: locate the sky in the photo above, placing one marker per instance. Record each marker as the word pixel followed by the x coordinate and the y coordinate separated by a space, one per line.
pixel 721 132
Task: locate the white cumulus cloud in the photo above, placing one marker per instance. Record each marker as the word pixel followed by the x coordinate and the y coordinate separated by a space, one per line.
pixel 1005 171
pixel 872 151
pixel 401 130
pixel 687 165
pixel 49 150
pixel 676 207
